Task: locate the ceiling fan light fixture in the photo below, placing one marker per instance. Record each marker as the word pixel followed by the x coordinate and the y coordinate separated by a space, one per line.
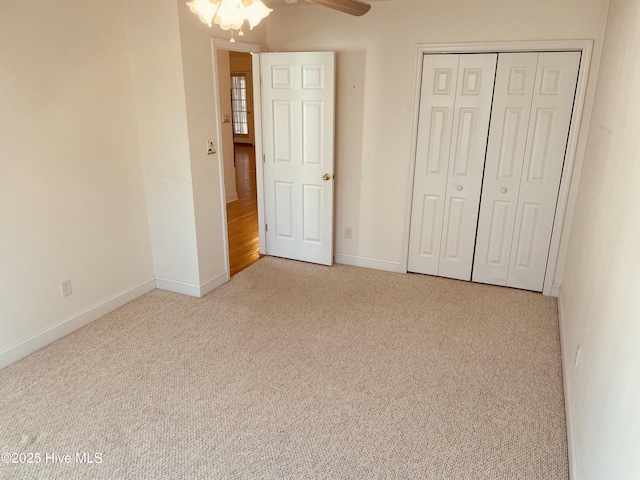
pixel 205 9
pixel 230 14
pixel 256 11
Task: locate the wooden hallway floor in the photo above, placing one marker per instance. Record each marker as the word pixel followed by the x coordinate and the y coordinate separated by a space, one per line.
pixel 242 214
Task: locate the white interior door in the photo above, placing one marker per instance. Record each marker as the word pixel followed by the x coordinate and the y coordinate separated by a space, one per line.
pixel 298 144
pixel 551 110
pixel 437 104
pixel 455 105
pixel 530 123
pixel 513 93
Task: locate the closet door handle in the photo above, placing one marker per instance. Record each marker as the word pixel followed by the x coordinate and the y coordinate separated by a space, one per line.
pixel 459 187
pixel 503 190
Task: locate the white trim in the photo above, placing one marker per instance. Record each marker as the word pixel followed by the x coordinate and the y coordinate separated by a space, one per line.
pixel 415 114
pixel 567 183
pixel 218 44
pixel 504 47
pixel 213 283
pixel 231 197
pixel 73 322
pixel 178 286
pixel 567 363
pixel 191 289
pixel 247 47
pixel 368 262
pixel 257 138
pixel 555 290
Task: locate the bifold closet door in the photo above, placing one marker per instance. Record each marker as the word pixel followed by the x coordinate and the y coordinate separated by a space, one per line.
pixel 455 105
pixel 532 107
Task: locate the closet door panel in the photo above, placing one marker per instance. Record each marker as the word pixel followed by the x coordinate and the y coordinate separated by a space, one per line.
pixel 437 103
pixel 550 119
pixel 474 93
pixel 513 94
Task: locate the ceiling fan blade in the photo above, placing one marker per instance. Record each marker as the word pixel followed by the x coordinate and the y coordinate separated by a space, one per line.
pixel 352 7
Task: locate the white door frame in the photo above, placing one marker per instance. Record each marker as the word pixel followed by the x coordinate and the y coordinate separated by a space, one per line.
pixel 584 46
pixel 220 44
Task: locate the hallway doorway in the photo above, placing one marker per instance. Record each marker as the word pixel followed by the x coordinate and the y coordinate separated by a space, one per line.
pixel 242 214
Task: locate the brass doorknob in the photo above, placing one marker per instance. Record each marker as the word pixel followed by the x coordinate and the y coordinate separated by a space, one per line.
pixel 326 177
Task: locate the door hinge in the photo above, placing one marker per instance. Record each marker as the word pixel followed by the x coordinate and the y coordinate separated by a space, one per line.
pixel 264 158
pixel 266 227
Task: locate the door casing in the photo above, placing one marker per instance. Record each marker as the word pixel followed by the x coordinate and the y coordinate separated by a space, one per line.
pixel 219 44
pixel 575 149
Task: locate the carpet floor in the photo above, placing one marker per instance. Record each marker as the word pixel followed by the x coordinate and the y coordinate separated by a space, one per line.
pixel 297 371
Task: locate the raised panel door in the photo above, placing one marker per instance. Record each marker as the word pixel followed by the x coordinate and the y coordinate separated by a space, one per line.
pixel 550 119
pixel 455 104
pixel 474 92
pixel 513 94
pixel 437 104
pixel 298 137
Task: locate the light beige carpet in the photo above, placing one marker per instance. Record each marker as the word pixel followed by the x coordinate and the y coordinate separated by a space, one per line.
pixel 300 371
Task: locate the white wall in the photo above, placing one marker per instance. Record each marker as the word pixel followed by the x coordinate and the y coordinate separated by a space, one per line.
pixel 206 170
pixel 72 201
pixel 375 75
pixel 173 76
pixel 156 60
pixel 600 305
pixel 105 110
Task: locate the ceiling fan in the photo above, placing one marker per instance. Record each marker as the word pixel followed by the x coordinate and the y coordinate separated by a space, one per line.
pixel 352 7
pixel 233 14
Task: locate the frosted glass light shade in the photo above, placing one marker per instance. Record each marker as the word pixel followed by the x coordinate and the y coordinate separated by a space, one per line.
pixel 256 11
pixel 230 14
pixel 205 9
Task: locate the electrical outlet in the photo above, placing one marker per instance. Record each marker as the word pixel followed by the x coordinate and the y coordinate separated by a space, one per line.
pixel 348 233
pixel 211 147
pixel 65 288
pixel 577 356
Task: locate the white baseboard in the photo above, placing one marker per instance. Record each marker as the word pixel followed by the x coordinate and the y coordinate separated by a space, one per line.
pixel 567 364
pixel 555 290
pixel 368 262
pixel 232 197
pixel 212 284
pixel 192 289
pixel 101 308
pixel 178 286
pixel 73 322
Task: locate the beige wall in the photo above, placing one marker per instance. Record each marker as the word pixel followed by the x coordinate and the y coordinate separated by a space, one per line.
pixel 72 197
pixel 156 60
pixel 173 77
pixel 105 111
pixel 600 305
pixel 206 170
pixel 375 75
